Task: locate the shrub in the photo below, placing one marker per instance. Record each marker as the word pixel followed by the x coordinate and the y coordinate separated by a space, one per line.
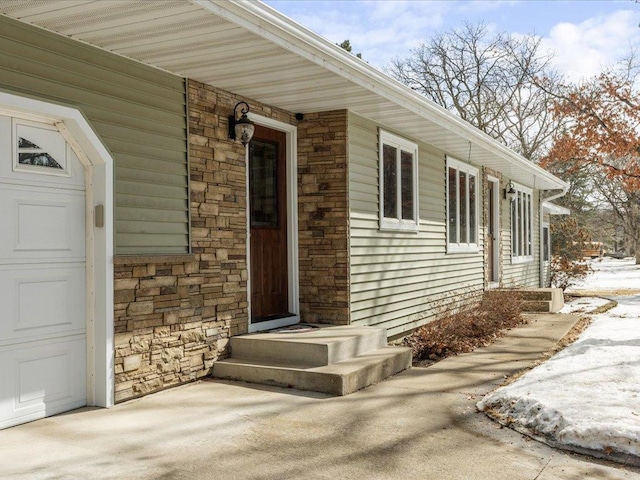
pixel 565 272
pixel 567 263
pixel 466 328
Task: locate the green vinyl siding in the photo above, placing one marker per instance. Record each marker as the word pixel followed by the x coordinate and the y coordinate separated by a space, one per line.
pixel 138 112
pixel 399 280
pixel 520 274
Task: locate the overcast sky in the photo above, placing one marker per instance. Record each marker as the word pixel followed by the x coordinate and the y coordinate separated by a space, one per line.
pixel 584 34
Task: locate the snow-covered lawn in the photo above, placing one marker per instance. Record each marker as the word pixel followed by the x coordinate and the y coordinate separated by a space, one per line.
pixel 587 397
pixel 584 305
pixel 610 277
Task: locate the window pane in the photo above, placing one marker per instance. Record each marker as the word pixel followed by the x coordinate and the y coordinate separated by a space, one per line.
pixel 545 245
pixel 406 178
pixel 453 211
pixel 24 143
pixel 472 209
pixel 463 208
pixel 525 223
pixel 530 224
pixel 390 188
pixel 40 159
pixel 263 186
pixel 514 228
pixel 528 249
pixel 520 229
pixel 35 155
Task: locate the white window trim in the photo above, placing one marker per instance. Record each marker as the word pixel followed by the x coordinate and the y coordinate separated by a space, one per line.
pixel 516 259
pixel 495 282
pixel 470 247
pixel 18 167
pixel 397 224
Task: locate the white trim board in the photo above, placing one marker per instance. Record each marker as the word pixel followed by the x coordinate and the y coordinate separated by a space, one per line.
pixel 496 229
pixel 98 165
pixel 291 132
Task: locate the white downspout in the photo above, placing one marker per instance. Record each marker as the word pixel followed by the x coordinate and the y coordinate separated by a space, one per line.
pixel 540 228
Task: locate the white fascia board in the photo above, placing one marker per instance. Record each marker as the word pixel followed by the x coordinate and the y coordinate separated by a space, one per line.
pixel 282 31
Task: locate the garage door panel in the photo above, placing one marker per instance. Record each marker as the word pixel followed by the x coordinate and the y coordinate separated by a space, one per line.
pixel 42 379
pixel 42 225
pixel 42 300
pixel 46 224
pixel 43 292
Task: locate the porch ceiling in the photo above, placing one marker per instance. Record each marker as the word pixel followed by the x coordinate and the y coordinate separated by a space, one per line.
pixel 250 49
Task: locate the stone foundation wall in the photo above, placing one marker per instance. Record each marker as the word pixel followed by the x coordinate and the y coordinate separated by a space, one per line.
pixel 323 217
pixel 174 315
pixel 167 327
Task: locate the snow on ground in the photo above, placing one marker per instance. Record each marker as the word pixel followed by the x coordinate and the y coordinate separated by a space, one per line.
pixel 588 395
pixel 610 275
pixel 583 304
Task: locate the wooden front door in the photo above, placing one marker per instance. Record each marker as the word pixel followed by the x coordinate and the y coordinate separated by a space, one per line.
pixel 268 225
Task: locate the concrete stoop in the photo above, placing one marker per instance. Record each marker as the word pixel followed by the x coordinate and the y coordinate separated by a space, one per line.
pixel 542 300
pixel 337 360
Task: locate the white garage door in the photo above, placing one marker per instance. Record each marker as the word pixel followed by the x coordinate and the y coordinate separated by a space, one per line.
pixel 42 273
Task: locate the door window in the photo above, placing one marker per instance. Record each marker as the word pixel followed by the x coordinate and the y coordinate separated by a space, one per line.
pixel 263 184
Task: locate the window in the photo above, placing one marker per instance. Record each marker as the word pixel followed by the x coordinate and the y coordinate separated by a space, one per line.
pixel 39 148
pixel 546 243
pixel 263 184
pixel 462 207
pixel 521 225
pixel 398 183
pixel 31 154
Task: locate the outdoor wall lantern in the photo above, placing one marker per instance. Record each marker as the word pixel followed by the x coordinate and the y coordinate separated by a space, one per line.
pixel 242 128
pixel 510 192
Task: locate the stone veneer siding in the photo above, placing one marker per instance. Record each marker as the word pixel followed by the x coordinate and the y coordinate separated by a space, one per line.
pixel 174 314
pixel 323 217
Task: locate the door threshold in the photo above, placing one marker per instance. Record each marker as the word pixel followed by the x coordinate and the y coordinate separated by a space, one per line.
pixel 275 323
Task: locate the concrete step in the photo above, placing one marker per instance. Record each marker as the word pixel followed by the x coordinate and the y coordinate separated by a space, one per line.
pixel 543 300
pixel 546 295
pixel 340 378
pixel 322 345
pixel 540 306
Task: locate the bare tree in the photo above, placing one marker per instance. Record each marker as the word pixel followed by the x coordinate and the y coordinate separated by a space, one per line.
pixel 617 196
pixel 489 80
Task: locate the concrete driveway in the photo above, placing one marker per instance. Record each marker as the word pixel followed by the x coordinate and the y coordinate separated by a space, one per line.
pixel 421 424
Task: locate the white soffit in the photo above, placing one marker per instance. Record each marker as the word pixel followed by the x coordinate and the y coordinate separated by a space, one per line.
pixel 252 50
pixel 553 209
